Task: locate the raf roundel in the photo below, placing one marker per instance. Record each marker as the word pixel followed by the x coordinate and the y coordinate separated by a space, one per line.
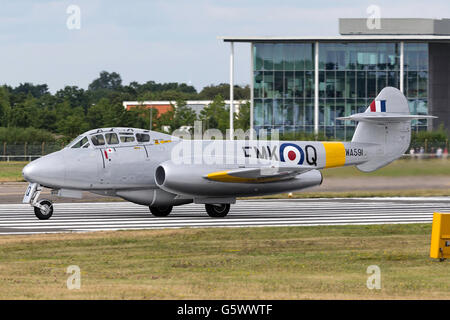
pixel 291 153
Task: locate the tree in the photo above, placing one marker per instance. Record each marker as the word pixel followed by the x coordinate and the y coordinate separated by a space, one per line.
pixel 104 114
pixel 29 88
pixel 22 114
pixel 5 107
pixel 46 118
pixel 139 117
pixel 22 135
pixel 106 81
pixel 152 86
pixel 216 115
pixel 184 115
pixel 74 124
pixel 209 92
pixel 73 110
pixel 76 97
pixel 165 120
pixel 180 115
pixel 243 118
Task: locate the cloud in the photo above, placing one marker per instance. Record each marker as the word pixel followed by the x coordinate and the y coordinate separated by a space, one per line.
pixel 163 40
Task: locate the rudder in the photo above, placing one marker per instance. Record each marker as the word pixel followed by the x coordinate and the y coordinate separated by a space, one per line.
pixel 386 123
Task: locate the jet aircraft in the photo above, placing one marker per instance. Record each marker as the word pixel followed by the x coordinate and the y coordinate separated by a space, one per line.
pixel 161 171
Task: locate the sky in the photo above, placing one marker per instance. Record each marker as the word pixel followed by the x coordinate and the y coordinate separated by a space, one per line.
pixel 164 41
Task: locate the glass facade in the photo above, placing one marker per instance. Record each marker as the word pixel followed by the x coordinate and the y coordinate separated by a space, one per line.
pixel 284 87
pixel 350 77
pixel 416 80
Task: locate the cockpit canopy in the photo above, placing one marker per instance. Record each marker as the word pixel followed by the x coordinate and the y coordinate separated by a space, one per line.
pixel 114 137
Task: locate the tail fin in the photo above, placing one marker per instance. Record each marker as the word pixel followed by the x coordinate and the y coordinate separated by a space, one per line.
pixel 387 124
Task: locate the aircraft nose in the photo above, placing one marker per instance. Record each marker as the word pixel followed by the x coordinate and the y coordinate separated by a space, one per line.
pixel 48 171
pixel 28 171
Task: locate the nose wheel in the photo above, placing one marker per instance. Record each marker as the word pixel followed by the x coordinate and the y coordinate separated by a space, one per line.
pixel 43 209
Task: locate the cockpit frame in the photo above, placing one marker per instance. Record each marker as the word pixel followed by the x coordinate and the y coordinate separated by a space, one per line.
pixel 111 137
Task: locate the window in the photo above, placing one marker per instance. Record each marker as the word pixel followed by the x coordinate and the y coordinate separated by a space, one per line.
pixel 299 84
pixel 278 112
pixel 278 56
pixel 73 142
pixel 340 84
pixel 288 112
pixel 258 83
pixel 300 57
pixel 267 55
pixel 111 138
pixel 98 140
pixel 268 84
pixel 278 84
pixel 268 112
pixel 126 138
pixel 82 143
pixel 142 137
pixel 299 116
pixel 371 84
pixel 351 74
pixel 330 84
pixel 350 84
pixel 258 112
pixel 258 59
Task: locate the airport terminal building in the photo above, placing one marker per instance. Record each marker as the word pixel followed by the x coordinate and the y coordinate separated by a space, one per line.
pixel 302 84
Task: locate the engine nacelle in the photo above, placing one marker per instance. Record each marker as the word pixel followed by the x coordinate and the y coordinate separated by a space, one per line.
pixel 152 197
pixel 189 180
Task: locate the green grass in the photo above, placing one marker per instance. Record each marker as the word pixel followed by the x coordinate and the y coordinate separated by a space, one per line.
pixel 399 168
pixel 324 262
pixel 444 192
pixel 11 171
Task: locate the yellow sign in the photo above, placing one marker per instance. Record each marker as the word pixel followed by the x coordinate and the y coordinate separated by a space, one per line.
pixel 440 236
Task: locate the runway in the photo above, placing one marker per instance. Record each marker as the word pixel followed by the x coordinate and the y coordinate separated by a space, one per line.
pixel 96 216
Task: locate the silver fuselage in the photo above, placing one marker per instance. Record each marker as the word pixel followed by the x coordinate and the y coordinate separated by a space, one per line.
pixel 127 170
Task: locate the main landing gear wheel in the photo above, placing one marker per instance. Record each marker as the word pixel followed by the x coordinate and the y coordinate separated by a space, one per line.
pixel 217 210
pixel 161 211
pixel 45 211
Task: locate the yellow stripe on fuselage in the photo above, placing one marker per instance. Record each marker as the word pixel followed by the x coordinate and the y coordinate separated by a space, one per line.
pixel 334 154
pixel 223 176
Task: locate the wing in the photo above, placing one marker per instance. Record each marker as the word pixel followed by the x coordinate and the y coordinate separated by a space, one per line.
pixel 257 175
pixel 384 117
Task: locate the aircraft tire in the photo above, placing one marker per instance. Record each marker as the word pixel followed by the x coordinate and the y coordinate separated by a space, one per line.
pixel 161 211
pixel 217 210
pixel 44 215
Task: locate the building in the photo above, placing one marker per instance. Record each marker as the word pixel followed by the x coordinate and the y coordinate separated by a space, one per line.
pixel 164 106
pixel 302 84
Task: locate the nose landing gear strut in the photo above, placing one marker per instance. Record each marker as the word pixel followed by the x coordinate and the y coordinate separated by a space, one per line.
pixel 43 209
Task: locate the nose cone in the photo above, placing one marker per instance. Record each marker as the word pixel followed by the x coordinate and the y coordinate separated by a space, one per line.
pixel 27 171
pixel 48 171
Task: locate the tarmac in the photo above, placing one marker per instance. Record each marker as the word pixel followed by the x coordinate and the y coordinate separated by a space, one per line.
pixel 107 216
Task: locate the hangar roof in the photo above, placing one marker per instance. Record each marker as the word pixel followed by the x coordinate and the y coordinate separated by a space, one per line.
pixel 389 29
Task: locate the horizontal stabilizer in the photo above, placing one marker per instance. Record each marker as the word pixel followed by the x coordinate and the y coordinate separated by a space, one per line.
pixel 384 117
pixel 386 123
